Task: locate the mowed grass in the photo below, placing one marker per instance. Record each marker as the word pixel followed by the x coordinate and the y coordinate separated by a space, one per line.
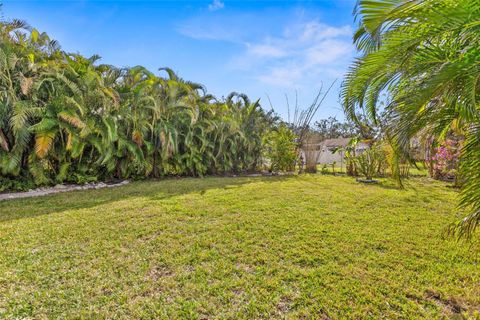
pixel 312 246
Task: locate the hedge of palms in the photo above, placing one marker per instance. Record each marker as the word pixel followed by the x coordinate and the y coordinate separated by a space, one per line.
pixel 64 117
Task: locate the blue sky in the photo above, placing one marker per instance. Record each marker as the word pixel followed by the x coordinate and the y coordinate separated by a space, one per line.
pixel 255 47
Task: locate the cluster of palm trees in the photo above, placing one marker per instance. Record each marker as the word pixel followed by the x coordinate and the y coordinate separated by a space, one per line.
pixel 64 117
pixel 421 58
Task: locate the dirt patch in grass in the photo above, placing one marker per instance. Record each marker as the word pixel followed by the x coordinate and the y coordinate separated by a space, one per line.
pixel 159 272
pixel 451 306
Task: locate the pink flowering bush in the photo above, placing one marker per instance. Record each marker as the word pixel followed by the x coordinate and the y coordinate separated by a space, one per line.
pixel 446 159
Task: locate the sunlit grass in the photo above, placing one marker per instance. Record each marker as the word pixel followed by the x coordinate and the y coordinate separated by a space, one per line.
pixel 303 246
pixel 339 168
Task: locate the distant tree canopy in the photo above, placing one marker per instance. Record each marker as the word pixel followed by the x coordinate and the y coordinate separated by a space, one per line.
pixel 332 128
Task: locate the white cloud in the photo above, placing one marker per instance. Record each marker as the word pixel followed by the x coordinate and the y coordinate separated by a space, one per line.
pixel 317 31
pixel 303 54
pixel 216 5
pixel 266 51
pixel 326 52
pixel 281 76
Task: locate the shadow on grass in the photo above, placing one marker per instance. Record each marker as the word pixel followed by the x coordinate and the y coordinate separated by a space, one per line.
pixel 384 183
pixel 155 190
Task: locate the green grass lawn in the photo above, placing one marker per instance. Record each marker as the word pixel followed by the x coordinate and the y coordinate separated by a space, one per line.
pixel 312 246
pixel 419 171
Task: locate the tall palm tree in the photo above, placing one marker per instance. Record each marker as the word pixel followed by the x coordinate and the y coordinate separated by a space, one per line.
pixel 425 55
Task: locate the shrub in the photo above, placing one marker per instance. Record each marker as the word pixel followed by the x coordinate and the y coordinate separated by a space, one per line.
pixel 369 162
pixel 17 184
pixel 280 149
pixel 446 160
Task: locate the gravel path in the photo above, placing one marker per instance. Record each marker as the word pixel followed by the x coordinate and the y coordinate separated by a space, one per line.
pixel 57 189
pixel 71 187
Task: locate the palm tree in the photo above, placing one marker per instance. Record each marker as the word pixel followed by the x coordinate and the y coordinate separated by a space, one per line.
pixel 424 55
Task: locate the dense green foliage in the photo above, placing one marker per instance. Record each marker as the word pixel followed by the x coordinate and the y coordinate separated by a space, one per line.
pixel 368 162
pixel 425 55
pixel 63 117
pixel 331 128
pixel 299 247
pixel 281 149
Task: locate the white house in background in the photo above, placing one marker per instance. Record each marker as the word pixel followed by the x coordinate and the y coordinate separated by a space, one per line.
pixel 325 150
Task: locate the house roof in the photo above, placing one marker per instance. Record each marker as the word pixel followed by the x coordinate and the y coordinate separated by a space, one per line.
pixel 337 142
pixel 333 143
pixel 313 139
